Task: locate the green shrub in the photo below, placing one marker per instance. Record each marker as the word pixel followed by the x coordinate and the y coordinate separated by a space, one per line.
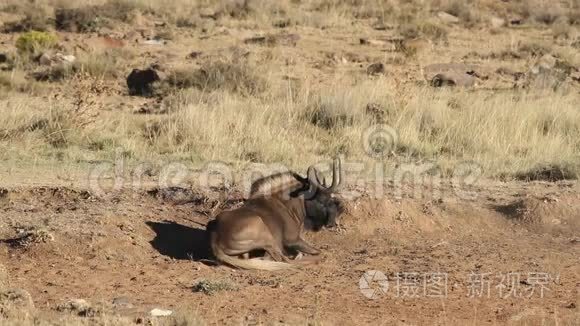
pixel 33 42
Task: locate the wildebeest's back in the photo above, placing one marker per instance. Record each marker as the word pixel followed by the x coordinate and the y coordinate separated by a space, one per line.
pixel 279 215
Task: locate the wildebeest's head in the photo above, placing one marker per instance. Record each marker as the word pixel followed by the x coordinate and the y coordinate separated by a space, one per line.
pixel 320 201
pixel 321 205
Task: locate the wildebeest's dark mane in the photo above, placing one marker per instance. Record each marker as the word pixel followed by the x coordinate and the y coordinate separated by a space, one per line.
pixel 277 183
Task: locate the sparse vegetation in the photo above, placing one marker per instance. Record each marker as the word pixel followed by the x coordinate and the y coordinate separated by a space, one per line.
pixel 427 29
pixel 211 287
pixel 233 76
pixel 34 42
pixel 256 84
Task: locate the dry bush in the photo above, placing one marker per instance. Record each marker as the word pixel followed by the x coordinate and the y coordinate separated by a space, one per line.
pixel 36 17
pixel 79 20
pixel 545 12
pixel 15 80
pixel 466 11
pixel 100 65
pixel 234 76
pixel 534 49
pixel 427 29
pixel 91 18
pixel 507 133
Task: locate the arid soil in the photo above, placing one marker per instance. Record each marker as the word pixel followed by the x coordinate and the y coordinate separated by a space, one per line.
pixel 262 84
pixel 148 250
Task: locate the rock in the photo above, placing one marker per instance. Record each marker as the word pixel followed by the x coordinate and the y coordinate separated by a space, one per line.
pixel 160 312
pixel 382 26
pixel 549 73
pixel 16 298
pixel 453 79
pixel 453 74
pixel 546 62
pixel 45 59
pixel 3 58
pixel 516 21
pixel 376 69
pixel 208 13
pixel 78 307
pixel 542 78
pixel 154 42
pixel 497 22
pixel 66 59
pixel 140 82
pixel 194 55
pixel 447 18
pixel 365 41
pixel 505 71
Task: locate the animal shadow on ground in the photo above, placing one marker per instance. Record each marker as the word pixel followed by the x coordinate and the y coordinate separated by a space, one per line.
pixel 180 241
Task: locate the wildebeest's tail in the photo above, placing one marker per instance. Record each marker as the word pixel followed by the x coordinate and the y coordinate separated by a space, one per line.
pixel 256 264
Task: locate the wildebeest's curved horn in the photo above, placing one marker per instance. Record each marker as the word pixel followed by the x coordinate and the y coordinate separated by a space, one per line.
pixel 336 175
pixel 313 183
pixel 314 179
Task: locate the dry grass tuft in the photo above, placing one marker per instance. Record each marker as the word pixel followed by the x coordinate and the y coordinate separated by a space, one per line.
pixel 210 287
pixel 427 29
pixel 234 76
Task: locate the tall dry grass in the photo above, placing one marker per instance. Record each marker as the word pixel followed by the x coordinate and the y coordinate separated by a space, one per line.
pixel 506 133
pixel 253 115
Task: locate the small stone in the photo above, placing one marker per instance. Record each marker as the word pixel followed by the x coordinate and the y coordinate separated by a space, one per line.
pixel 453 74
pixel 45 59
pixel 447 17
pixel 376 69
pixel 365 41
pixel 66 58
pixel 156 312
pixel 497 22
pixel 547 62
pixel 154 42
pixel 453 79
pixel 194 55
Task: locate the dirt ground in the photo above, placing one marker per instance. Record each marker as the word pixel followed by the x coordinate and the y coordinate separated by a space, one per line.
pixel 506 254
pixel 144 249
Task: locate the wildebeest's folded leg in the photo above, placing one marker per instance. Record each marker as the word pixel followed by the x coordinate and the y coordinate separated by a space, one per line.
pixel 303 246
pixel 276 254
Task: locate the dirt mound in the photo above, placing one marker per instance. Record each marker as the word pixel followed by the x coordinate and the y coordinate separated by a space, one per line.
pixel 548 214
pixel 149 248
